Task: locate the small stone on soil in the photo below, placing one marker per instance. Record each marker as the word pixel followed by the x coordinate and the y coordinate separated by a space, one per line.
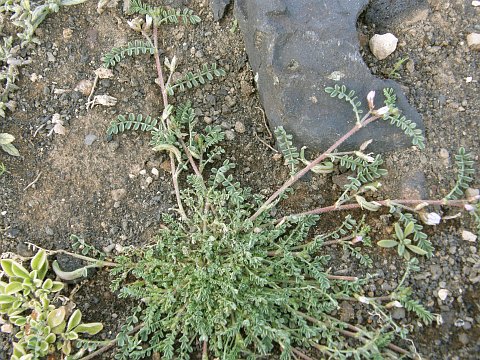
pixel 468 236
pixel 118 194
pixel 229 135
pixel 89 139
pixel 239 127
pixel 383 45
pixel 473 41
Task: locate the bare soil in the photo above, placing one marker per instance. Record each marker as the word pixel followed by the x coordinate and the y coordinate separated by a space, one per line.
pixel 106 192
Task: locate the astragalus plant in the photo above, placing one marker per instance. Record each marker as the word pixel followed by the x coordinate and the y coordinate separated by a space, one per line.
pixel 228 276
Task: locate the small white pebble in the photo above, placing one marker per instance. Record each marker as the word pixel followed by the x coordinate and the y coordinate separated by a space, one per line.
pixel 143 172
pixel 155 172
pixel 149 180
pixel 119 248
pixel 468 79
pixel 383 45
pixel 468 236
pixel 442 294
pixel 476 3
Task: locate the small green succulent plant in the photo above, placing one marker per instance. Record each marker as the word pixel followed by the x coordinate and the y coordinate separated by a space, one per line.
pixel 29 310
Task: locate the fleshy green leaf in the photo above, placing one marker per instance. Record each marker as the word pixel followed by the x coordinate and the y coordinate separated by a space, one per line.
pixel 409 228
pixel 74 320
pixel 6 138
pixel 6 299
pixel 38 260
pixel 13 288
pixel 387 243
pixel 91 328
pixel 56 317
pixel 399 231
pixel 10 149
pixel 7 267
pixel 57 286
pixel 417 250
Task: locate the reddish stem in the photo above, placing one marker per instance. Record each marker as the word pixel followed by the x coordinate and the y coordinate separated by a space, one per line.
pixel 322 210
pixel 159 67
pixel 307 168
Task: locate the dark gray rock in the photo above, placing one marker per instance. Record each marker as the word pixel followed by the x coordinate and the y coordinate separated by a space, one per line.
pixel 387 14
pixel 295 46
pixel 218 8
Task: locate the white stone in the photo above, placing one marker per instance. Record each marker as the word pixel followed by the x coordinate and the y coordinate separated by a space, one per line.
pixel 383 45
pixel 468 236
pixel 442 294
pixel 473 41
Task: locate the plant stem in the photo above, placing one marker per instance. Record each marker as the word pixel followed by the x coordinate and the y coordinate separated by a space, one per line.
pixel 315 162
pixel 175 186
pixel 300 354
pixel 98 263
pixel 110 345
pixel 322 210
pixel 205 350
pixel 190 158
pixel 159 67
pixel 340 277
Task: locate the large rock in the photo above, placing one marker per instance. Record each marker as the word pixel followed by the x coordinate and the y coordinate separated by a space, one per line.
pixel 297 48
pixel 388 14
pixel 218 8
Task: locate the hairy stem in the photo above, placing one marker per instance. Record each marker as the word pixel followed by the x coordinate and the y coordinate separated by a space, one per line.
pixel 315 162
pixel 159 67
pixel 110 345
pixel 322 210
pixel 181 210
pixel 190 158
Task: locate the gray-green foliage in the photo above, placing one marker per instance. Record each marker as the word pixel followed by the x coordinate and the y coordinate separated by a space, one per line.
pixel 27 16
pixel 465 173
pixel 30 303
pixel 162 15
pixel 247 288
pixel 395 117
pixel 132 48
pixel 341 92
pixel 190 79
pixel 402 241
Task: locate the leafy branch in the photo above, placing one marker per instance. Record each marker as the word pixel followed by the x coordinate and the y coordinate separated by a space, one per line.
pixel 341 92
pixel 132 48
pixel 465 171
pixel 191 80
pixel 162 15
pixel 289 151
pixel 396 118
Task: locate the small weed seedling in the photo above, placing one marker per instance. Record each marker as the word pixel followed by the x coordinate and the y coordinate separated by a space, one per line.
pixel 393 74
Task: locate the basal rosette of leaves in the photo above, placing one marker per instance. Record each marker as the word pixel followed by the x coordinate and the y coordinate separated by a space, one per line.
pixel 244 289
